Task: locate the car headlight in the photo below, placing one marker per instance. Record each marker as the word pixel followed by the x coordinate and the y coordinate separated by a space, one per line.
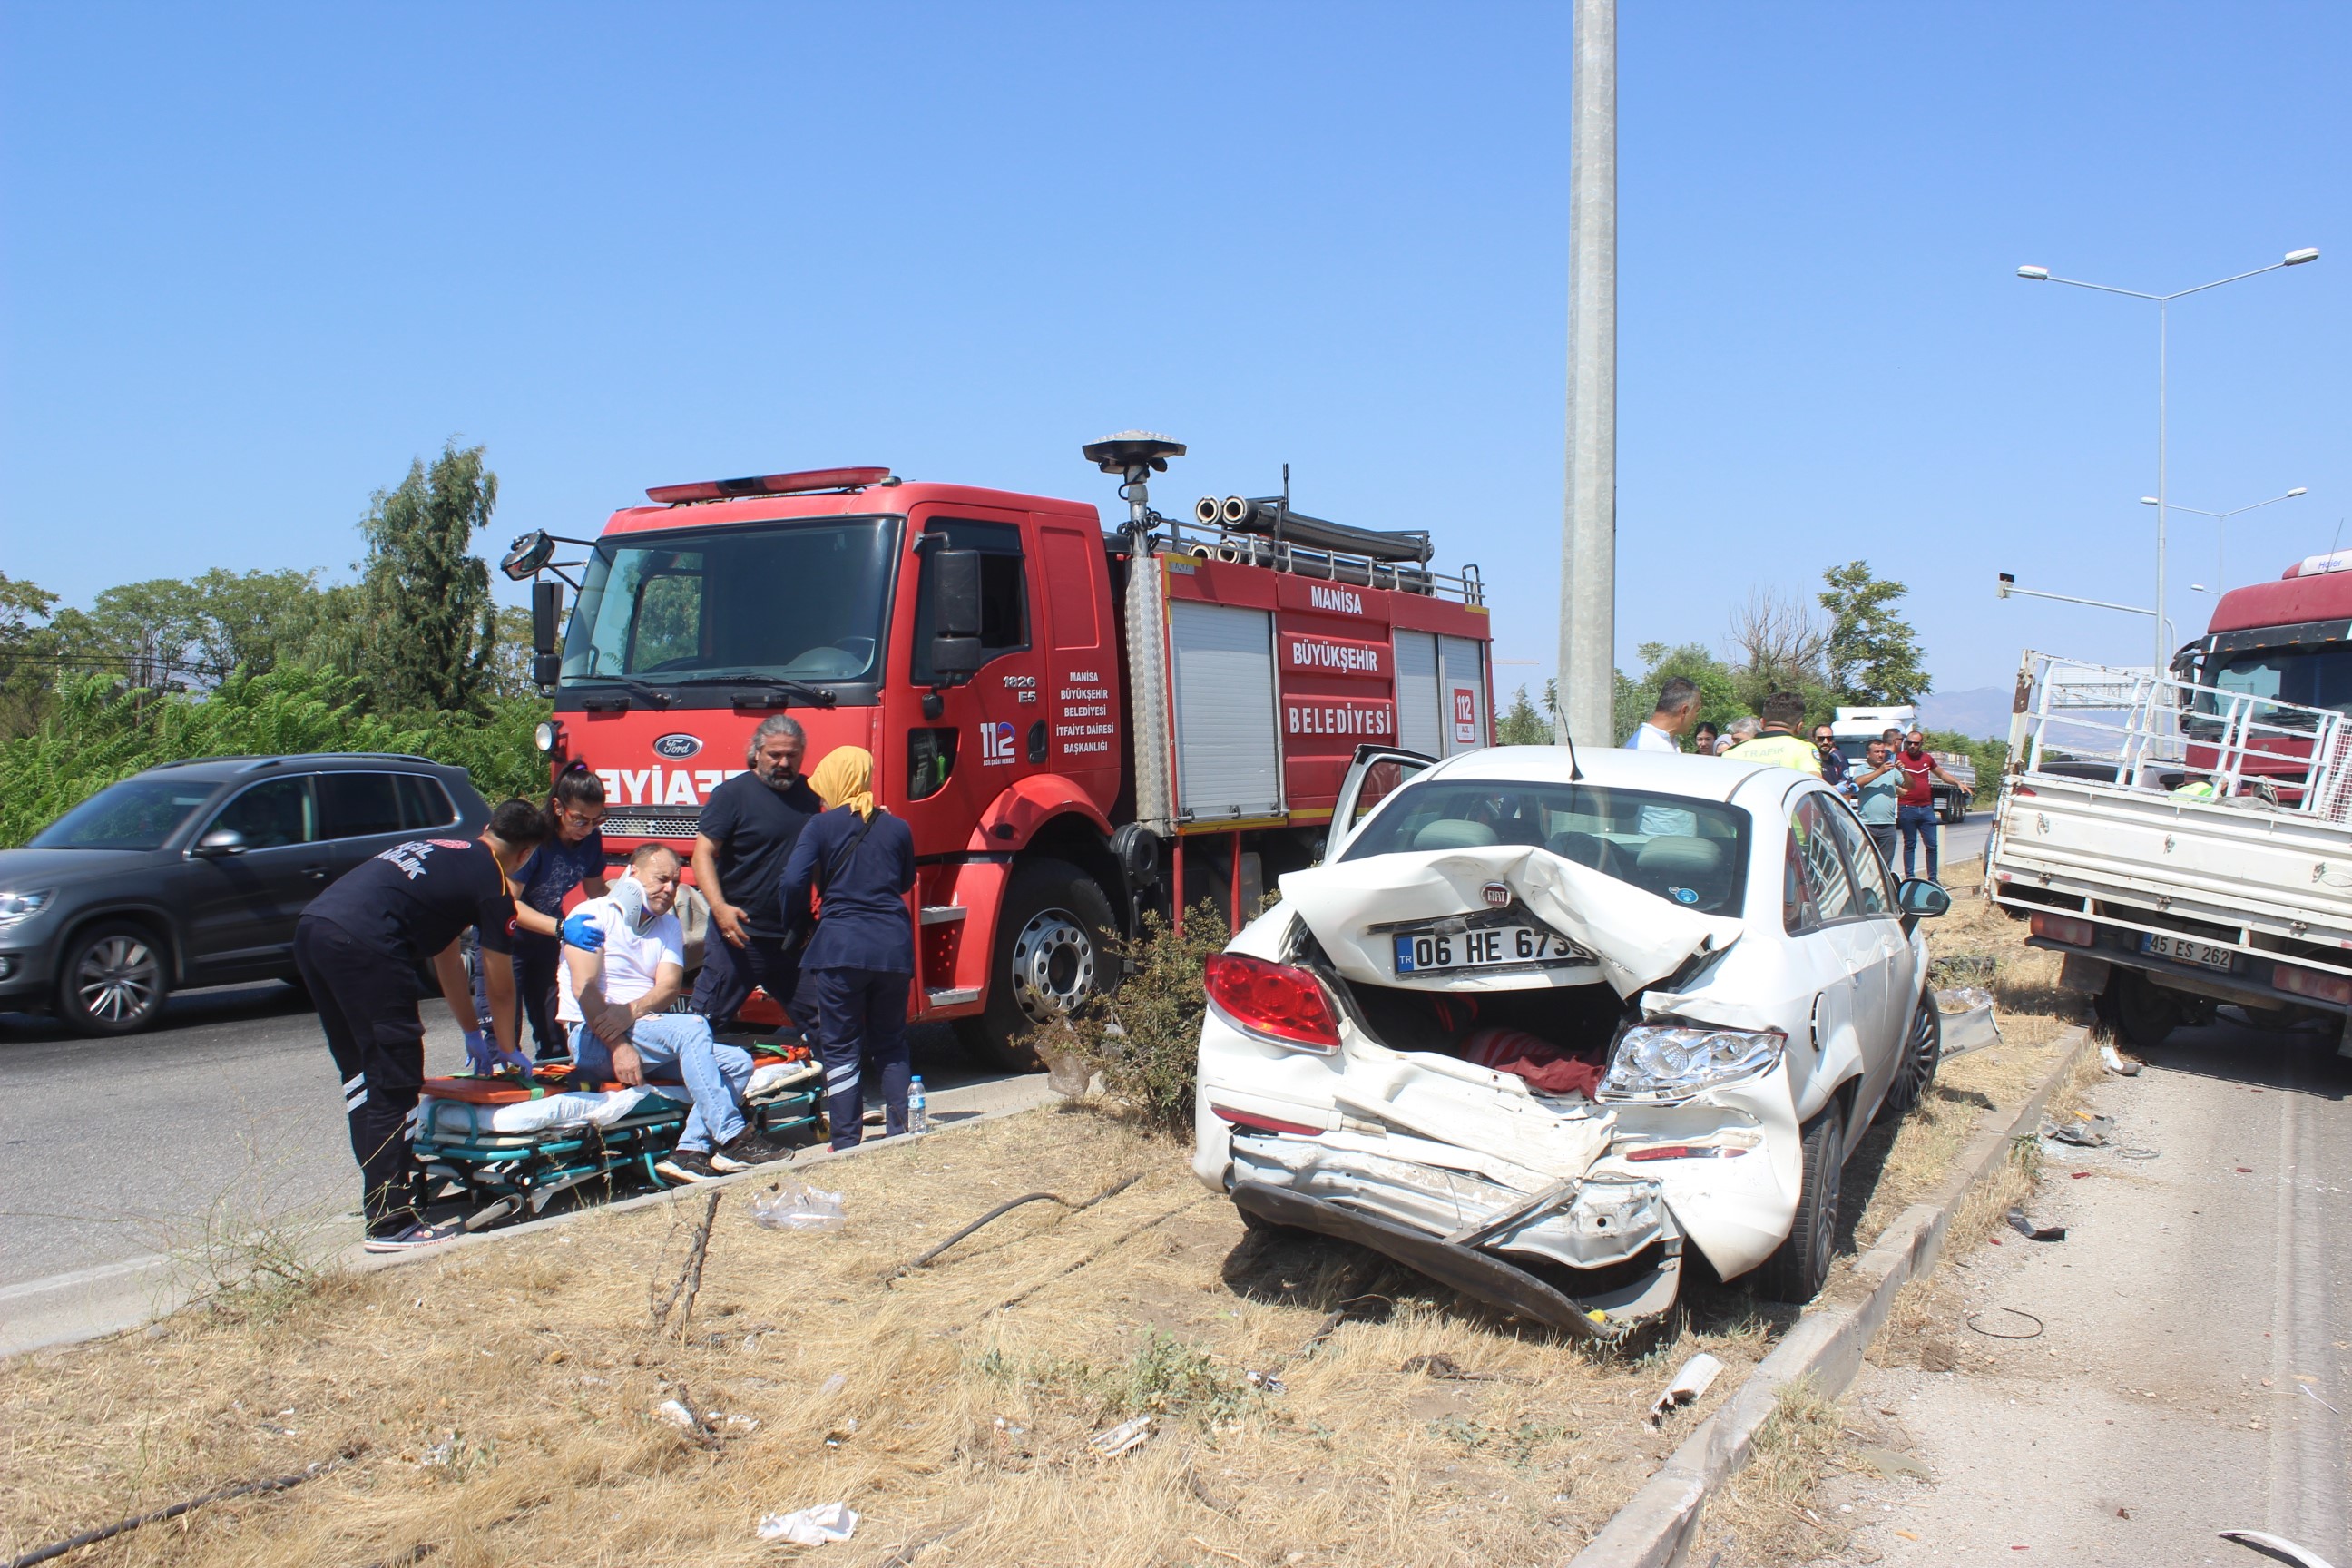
pixel 14 907
pixel 1674 1061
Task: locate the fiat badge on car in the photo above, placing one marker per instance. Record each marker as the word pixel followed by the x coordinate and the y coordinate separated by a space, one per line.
pixel 1499 895
pixel 678 747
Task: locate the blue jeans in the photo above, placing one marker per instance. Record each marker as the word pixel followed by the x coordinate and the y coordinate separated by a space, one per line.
pixel 1918 825
pixel 677 1047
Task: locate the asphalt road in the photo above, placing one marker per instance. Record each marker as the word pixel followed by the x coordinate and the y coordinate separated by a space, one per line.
pixel 2194 1362
pixel 230 1109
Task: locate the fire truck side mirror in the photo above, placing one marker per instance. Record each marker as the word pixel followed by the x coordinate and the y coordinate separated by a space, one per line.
pixel 956 653
pixel 546 617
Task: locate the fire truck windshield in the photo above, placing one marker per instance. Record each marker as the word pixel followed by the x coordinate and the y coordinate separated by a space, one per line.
pixel 798 601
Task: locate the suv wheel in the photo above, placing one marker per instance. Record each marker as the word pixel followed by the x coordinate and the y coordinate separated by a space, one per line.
pixel 1798 1269
pixel 111 982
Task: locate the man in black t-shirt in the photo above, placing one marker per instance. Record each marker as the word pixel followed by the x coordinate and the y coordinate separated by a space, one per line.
pixel 359 947
pixel 749 827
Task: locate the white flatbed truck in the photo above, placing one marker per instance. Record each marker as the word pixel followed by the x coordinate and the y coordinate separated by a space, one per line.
pixel 2184 847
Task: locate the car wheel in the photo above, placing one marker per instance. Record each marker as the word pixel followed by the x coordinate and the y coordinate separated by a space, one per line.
pixel 1923 1047
pixel 111 982
pixel 1053 951
pixel 2143 1010
pixel 1800 1267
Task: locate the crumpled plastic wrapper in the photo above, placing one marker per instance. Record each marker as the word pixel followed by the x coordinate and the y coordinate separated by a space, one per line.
pixel 819 1526
pixel 790 1205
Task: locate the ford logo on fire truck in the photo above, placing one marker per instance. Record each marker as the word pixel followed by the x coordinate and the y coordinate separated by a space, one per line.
pixel 678 746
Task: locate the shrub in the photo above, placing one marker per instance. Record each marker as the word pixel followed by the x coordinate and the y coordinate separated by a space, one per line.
pixel 1145 1037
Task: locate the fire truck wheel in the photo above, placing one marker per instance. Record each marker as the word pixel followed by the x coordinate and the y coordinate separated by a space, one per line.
pixel 1053 950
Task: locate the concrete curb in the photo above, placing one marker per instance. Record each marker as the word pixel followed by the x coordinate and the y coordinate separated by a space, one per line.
pixel 119 1297
pixel 1659 1526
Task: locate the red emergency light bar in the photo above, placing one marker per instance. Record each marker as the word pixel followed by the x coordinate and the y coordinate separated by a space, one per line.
pixel 769 485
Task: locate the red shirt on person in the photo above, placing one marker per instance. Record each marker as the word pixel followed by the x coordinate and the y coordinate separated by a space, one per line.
pixel 1916 771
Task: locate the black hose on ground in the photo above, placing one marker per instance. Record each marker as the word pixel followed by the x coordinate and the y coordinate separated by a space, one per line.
pixel 156 1516
pixel 1001 1210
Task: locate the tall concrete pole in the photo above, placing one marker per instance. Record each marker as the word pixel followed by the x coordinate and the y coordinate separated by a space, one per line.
pixel 1588 555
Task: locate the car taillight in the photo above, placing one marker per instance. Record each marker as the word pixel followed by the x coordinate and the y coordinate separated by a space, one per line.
pixel 1256 1123
pixel 2059 928
pixel 1276 1002
pixel 2317 984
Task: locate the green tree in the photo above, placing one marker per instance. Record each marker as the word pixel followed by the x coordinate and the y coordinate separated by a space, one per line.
pixel 1522 726
pixel 1872 653
pixel 425 621
pixel 27 653
pixel 1719 700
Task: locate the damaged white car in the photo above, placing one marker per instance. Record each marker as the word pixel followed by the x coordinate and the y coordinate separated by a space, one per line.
pixel 1541 1021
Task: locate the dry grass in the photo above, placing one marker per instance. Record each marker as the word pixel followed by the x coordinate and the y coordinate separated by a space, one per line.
pixel 502 1399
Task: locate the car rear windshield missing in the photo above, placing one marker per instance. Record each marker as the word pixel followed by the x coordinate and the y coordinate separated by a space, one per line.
pixel 1694 852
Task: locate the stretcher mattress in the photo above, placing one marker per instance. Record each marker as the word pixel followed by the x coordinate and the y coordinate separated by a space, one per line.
pixel 459 1106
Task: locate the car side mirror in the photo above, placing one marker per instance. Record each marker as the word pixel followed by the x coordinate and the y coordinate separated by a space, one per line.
pixel 219 843
pixel 1921 899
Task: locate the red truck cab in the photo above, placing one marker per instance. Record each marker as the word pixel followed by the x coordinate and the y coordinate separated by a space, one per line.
pixel 2289 640
pixel 1056 712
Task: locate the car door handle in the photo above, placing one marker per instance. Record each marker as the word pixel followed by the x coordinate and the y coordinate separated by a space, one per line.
pixel 316 873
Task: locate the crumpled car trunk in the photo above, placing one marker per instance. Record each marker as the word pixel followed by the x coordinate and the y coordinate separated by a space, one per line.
pixel 1471 1138
pixel 1636 939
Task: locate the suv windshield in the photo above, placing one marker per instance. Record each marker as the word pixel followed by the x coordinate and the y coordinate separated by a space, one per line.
pixel 137 813
pixel 803 601
pixel 1694 852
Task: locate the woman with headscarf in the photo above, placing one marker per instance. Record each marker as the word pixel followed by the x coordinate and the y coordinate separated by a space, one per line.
pixel 858 966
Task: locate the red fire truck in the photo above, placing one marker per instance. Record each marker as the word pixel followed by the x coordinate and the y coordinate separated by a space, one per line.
pixel 1077 725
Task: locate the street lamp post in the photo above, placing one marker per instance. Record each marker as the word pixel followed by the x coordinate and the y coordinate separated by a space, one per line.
pixel 2163 328
pixel 2006 587
pixel 2220 534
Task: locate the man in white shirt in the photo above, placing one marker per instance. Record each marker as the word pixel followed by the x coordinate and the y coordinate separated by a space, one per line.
pixel 1677 711
pixel 623 961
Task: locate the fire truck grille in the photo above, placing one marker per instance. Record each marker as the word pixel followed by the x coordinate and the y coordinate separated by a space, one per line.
pixel 651 822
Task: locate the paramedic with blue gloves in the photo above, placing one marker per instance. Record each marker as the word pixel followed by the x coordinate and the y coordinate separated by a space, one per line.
pixel 359 947
pixel 572 856
pixel 623 959
pixel 860 963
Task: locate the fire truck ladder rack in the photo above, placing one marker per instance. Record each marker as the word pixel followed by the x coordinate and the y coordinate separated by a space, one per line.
pixel 1216 542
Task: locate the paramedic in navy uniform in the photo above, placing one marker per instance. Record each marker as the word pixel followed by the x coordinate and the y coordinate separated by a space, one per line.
pixel 748 829
pixel 359 946
pixel 860 963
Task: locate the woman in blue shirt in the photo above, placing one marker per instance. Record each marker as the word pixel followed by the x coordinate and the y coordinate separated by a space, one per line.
pixel 859 965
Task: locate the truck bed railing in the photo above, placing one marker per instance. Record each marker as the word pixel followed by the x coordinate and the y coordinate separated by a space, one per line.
pixel 2156 733
pixel 1220 543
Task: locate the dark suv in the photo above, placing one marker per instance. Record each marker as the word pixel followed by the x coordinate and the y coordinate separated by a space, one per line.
pixel 194 873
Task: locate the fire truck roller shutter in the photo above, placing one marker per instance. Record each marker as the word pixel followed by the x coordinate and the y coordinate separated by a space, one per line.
pixel 1417 703
pixel 1464 716
pixel 1228 747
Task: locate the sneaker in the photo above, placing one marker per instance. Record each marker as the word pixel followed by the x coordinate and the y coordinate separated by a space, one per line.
pixel 687 1166
pixel 416 1235
pixel 755 1148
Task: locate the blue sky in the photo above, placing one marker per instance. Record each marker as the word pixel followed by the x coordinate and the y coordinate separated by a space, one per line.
pixel 252 260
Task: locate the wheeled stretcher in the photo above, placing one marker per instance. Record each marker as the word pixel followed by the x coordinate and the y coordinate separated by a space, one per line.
pixel 503 1145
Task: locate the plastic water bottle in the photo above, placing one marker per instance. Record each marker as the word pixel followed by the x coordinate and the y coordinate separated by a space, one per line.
pixel 918 1115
